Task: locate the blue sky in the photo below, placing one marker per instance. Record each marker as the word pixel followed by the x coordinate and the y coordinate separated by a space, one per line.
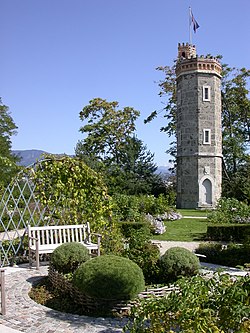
pixel 56 55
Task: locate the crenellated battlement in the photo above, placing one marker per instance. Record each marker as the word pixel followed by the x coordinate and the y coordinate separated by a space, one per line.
pixel 186 51
pixel 189 61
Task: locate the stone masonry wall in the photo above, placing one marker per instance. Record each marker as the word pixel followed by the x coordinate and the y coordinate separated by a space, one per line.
pixel 198 165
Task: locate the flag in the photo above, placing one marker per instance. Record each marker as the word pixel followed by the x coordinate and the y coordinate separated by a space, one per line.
pixel 193 21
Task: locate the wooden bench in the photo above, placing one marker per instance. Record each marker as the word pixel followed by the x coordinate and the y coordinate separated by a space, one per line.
pixel 45 239
pixel 2 288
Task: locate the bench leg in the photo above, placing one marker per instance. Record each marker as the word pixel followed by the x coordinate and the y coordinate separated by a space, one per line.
pixel 37 261
pixel 30 259
pixel 99 246
pixel 37 255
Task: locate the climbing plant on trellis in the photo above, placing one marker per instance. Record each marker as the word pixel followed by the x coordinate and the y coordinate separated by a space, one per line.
pixel 54 191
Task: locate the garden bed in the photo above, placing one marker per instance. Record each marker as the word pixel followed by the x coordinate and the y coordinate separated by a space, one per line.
pixel 94 305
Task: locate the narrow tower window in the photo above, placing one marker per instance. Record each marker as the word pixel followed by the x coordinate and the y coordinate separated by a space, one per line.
pixel 206 93
pixel 179 137
pixel 179 97
pixel 206 136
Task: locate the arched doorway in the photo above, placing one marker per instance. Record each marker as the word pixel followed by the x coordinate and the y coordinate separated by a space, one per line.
pixel 206 192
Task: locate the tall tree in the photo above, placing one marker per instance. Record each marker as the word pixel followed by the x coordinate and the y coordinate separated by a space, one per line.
pixel 235 120
pixel 135 173
pixel 107 129
pixel 235 117
pixel 111 148
pixel 8 161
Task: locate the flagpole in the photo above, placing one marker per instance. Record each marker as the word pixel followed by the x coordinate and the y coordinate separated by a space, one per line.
pixel 190 30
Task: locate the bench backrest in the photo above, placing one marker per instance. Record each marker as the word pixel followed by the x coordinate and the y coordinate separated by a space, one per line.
pixel 59 234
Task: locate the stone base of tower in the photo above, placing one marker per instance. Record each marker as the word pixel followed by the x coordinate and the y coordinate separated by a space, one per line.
pixel 182 204
pixel 198 181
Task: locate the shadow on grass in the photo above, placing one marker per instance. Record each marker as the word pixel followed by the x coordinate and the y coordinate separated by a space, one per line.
pixel 200 237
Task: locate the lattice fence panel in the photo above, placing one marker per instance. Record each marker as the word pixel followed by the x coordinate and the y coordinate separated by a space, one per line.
pixel 19 206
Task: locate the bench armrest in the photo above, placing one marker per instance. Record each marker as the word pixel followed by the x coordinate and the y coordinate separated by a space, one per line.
pixel 95 234
pixel 99 237
pixel 35 238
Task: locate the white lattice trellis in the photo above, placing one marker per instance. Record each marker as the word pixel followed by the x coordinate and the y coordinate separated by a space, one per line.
pixel 19 207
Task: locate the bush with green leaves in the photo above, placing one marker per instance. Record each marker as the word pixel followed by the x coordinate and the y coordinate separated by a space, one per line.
pixel 230 210
pixel 217 305
pixel 176 262
pixel 112 241
pixel 133 208
pixel 109 277
pixel 147 258
pixel 67 257
pixel 141 250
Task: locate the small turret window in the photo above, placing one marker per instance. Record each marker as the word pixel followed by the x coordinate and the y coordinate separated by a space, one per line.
pixel 206 93
pixel 206 136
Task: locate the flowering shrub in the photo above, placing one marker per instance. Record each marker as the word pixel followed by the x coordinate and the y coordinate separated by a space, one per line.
pixel 230 210
pixel 157 222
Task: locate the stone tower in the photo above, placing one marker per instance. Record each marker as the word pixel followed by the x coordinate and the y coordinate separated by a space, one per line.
pixel 199 138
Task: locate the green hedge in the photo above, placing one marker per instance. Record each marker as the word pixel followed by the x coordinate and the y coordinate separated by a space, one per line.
pixel 128 228
pixel 233 233
pixel 231 255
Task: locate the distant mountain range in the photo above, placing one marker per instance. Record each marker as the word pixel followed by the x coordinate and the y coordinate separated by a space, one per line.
pixel 30 156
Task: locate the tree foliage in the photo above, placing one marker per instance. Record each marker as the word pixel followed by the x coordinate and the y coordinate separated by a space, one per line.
pixel 111 148
pixel 236 131
pixel 135 173
pixel 8 167
pixel 107 129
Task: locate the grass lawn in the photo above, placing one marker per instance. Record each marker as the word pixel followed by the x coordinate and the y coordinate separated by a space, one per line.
pixel 184 230
pixel 193 212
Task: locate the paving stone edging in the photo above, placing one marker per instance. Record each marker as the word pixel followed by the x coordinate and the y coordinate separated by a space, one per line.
pixel 25 315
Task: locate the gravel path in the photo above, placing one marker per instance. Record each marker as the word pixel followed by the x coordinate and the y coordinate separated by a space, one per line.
pixel 165 245
pixel 25 315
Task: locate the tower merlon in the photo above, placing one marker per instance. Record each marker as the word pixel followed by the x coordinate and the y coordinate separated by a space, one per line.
pixel 189 61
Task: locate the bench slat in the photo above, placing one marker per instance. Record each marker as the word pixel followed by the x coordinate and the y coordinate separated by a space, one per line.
pixel 46 236
pixel 77 235
pixel 72 235
pixel 60 236
pixel 43 239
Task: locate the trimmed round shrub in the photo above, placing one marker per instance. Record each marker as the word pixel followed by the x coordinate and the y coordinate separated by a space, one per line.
pixel 178 261
pixel 109 277
pixel 67 257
